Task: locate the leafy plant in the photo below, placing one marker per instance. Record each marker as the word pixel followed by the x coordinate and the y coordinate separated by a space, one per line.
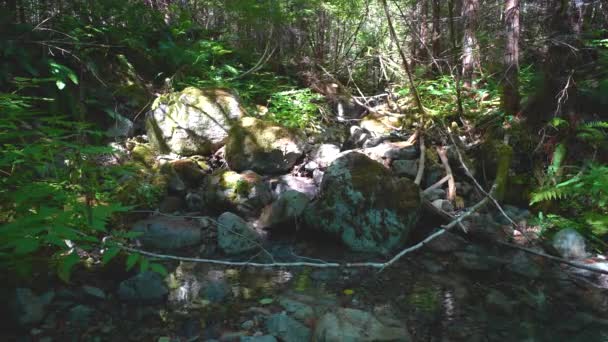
pixel 51 189
pixel 295 108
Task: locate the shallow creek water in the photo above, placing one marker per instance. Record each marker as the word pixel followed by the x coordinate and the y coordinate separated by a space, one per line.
pixel 476 295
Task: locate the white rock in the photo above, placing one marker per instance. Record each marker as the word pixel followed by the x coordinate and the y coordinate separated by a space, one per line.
pixel 570 244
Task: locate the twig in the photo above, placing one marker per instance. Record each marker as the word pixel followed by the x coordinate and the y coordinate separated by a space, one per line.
pixel 448 170
pixel 420 172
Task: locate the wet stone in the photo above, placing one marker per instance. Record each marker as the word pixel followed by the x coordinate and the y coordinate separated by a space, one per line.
pixel 287 329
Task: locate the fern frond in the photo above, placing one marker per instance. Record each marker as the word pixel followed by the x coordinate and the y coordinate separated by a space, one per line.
pixel 595 124
pixel 549 194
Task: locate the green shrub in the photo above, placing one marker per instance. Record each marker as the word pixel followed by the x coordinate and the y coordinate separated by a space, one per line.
pixel 295 108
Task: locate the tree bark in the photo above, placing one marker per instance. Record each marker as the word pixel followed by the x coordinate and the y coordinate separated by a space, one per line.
pixel 470 47
pixel 455 67
pixel 406 65
pixel 436 37
pixel 511 58
pixel 419 51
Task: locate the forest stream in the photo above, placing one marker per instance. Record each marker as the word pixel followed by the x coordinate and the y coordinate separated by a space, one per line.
pixel 304 170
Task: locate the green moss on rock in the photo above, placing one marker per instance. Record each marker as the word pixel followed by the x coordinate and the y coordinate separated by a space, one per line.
pixel 263 147
pixel 365 205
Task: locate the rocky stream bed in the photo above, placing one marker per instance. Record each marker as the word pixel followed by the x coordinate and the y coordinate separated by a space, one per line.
pixel 243 189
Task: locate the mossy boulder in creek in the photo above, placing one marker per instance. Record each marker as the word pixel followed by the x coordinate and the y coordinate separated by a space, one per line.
pixel 263 147
pixel 193 121
pixel 365 205
pixel 245 193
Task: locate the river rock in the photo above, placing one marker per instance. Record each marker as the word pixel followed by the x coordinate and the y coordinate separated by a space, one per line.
pixel 143 287
pixel 80 316
pixel 286 183
pixel 296 308
pixel 444 205
pixel 189 171
pixel 28 308
pixel 263 338
pixel 325 154
pixel 379 126
pixel 193 121
pixel 263 147
pixel 387 151
pixel 523 265
pixel 446 243
pixel 570 244
pixel 350 325
pixel 168 233
pixel 404 167
pixel 287 329
pixel 235 235
pixel 497 301
pixel 245 193
pixel 365 205
pixel 287 208
pixel 434 194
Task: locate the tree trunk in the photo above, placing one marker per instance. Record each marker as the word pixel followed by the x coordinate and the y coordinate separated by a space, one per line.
pixel 406 65
pixel 419 50
pixel 511 58
pixel 470 47
pixel 455 70
pixel 12 9
pixel 436 38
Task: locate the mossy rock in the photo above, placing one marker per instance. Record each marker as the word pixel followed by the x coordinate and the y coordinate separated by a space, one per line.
pixel 245 193
pixel 380 125
pixel 365 205
pixel 263 147
pixel 193 121
pixel 145 154
pixel 143 187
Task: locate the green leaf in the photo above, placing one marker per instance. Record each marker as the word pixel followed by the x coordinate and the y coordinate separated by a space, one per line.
pixel 132 260
pixel 72 76
pixel 66 265
pixel 266 301
pixel 144 264
pixel 109 254
pixel 26 246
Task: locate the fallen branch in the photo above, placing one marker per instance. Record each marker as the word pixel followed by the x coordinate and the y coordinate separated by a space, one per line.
pixel 448 170
pixel 436 185
pixel 420 172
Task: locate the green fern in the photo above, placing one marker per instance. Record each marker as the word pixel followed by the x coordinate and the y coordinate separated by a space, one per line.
pixel 548 194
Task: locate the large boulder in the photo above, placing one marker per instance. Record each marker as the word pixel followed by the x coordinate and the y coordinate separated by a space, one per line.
pixel 143 287
pixel 263 147
pixel 365 205
pixel 193 121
